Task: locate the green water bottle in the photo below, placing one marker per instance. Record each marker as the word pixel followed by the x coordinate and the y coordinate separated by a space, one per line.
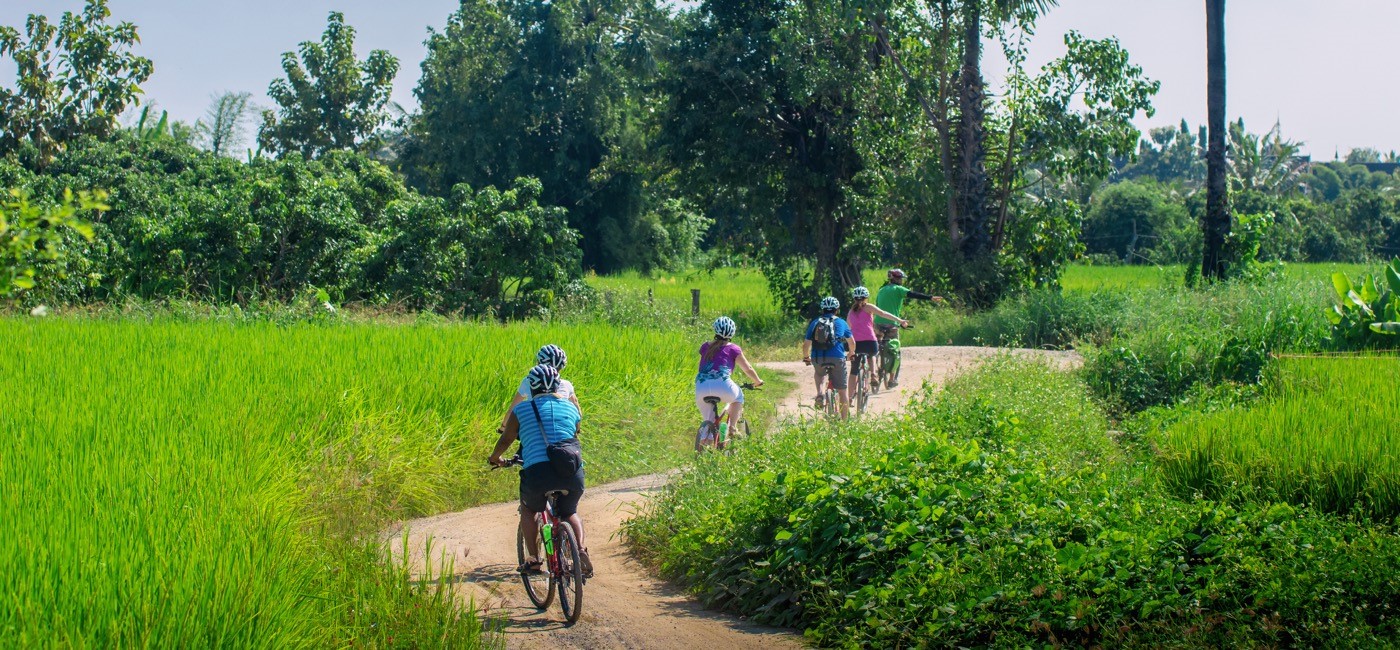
pixel 723 431
pixel 547 532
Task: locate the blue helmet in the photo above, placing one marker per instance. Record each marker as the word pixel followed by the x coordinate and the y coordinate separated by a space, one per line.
pixel 725 327
pixel 552 355
pixel 543 378
pixel 830 303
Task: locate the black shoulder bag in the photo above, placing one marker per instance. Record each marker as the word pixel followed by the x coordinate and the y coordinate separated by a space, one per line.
pixel 565 456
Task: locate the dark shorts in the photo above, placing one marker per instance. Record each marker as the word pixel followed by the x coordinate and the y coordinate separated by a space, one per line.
pixel 539 478
pixel 871 348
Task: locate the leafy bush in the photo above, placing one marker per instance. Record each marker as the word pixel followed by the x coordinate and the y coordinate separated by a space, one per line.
pixel 1169 341
pixel 1366 314
pixel 189 224
pixel 30 236
pixel 1002 514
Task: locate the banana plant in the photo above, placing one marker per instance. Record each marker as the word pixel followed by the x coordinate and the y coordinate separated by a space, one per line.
pixel 1366 315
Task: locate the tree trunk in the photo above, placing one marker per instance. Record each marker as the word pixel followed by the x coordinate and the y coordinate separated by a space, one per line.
pixel 971 185
pixel 1216 226
pixel 834 273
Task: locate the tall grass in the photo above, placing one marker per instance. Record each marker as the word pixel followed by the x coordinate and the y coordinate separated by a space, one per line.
pixel 1325 434
pixel 209 484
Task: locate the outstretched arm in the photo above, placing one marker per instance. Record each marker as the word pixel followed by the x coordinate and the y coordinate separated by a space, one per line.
pixel 884 314
pixel 925 296
pixel 743 363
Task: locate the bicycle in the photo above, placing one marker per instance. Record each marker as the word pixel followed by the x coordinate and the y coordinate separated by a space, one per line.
pixel 713 432
pixel 862 386
pixel 826 400
pixel 887 374
pixel 562 572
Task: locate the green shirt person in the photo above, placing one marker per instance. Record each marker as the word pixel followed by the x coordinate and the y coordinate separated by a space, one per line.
pixel 891 297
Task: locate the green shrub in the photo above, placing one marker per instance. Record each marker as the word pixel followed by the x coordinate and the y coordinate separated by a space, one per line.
pixel 1002 514
pixel 1169 341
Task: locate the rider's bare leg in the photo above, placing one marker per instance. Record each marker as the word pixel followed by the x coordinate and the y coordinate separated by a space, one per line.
pixel 531 529
pixel 736 411
pixel 576 523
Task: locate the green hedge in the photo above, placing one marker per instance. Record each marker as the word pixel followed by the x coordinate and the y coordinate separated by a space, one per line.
pixel 1003 514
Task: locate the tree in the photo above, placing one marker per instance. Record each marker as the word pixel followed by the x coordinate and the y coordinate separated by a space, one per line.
pixel 225 123
pixel 73 79
pixel 1216 225
pixel 560 91
pixel 1052 134
pixel 334 102
pixel 765 101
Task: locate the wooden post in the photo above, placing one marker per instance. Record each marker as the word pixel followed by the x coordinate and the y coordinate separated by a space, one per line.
pixel 694 302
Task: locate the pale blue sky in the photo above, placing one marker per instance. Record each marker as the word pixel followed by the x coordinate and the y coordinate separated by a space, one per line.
pixel 1326 69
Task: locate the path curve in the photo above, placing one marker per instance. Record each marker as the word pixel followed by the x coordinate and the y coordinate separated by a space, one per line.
pixel 625 606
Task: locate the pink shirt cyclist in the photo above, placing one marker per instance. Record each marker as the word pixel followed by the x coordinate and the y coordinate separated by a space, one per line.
pixel 862 321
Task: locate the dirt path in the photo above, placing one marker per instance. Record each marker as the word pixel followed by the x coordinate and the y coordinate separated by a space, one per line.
pixel 921 364
pixel 624 605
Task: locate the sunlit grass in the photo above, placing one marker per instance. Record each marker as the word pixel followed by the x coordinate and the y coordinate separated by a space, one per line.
pixel 1326 434
pixel 210 484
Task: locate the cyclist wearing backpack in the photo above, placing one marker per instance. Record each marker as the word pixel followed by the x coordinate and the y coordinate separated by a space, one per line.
pixel 824 348
pixel 545 419
pixel 891 299
pixel 549 355
pixel 861 318
pixel 717 361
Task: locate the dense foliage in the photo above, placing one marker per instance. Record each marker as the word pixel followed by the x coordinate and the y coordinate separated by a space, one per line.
pixel 185 223
pixel 1002 513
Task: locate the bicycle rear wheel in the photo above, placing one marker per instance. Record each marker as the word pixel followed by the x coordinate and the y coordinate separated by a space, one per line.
pixel 540 586
pixel 570 582
pixel 705 436
pixel 862 389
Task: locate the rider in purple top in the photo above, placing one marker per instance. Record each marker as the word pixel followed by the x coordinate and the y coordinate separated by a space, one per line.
pixel 718 358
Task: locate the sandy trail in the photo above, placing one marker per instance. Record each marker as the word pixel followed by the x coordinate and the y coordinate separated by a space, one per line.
pixel 921 364
pixel 625 606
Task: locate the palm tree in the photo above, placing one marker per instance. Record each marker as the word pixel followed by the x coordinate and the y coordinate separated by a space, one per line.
pixel 1216 227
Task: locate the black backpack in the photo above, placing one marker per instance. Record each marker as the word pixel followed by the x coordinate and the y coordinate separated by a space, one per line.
pixel 824 334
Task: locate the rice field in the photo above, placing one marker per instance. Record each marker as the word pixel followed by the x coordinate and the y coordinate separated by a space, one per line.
pixel 212 484
pixel 1326 434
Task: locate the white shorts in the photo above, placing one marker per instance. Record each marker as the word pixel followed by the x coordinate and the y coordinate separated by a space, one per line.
pixel 725 389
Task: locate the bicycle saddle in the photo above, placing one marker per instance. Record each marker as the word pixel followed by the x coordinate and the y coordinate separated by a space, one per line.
pixel 556 493
pixel 711 400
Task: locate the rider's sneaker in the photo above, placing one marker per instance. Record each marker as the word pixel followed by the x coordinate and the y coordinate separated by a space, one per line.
pixel 531 568
pixel 893 383
pixel 585 563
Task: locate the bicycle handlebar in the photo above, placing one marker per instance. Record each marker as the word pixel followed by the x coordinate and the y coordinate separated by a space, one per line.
pixel 750 387
pixel 510 462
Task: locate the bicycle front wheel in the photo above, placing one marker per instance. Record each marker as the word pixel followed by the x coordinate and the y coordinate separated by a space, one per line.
pixel 570 581
pixel 538 585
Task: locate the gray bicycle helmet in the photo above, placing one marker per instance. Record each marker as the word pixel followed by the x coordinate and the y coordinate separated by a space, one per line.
pixel 860 292
pixel 830 303
pixel 552 355
pixel 896 274
pixel 725 327
pixel 543 378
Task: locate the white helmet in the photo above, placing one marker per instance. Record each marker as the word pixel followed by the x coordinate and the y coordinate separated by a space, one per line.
pixel 860 292
pixel 725 327
pixel 552 355
pixel 830 303
pixel 543 379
